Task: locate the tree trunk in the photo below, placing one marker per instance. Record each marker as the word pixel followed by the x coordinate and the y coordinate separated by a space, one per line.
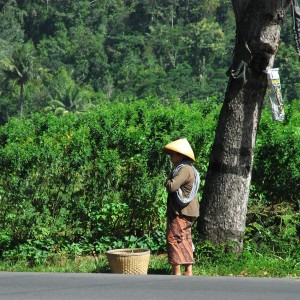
pixel 21 99
pixel 226 190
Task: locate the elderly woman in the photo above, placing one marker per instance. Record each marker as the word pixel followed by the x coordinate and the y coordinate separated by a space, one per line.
pixel 182 206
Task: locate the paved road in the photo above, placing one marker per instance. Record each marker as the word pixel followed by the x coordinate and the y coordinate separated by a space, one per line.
pixel 65 286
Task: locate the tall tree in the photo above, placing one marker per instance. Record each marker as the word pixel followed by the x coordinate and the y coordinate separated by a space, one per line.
pixel 11 31
pixel 226 191
pixel 20 68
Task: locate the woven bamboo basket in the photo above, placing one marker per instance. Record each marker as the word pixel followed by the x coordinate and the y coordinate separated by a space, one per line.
pixel 128 261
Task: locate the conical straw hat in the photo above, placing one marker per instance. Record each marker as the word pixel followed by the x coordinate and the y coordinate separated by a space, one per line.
pixel 181 146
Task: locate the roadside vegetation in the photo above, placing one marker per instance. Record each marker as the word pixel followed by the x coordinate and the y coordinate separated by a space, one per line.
pixel 74 186
pixel 89 93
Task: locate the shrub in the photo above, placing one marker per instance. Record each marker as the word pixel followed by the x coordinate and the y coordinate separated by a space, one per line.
pixel 89 182
pixel 276 171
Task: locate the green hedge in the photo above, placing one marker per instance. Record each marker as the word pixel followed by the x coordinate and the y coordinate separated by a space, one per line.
pixel 276 174
pixel 89 182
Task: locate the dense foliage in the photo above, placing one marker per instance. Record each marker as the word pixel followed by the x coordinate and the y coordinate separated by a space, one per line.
pixel 94 180
pixel 63 55
pixel 85 183
pixel 81 168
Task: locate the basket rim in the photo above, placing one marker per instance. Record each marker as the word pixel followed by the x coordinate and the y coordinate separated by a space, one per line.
pixel 130 252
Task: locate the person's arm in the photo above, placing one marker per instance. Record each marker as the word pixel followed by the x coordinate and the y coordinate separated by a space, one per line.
pixel 177 181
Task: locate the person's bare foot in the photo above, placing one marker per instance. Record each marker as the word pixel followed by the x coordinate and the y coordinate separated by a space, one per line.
pixel 188 270
pixel 188 273
pixel 176 270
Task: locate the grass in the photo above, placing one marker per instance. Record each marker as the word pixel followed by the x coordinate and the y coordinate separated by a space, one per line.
pixel 248 265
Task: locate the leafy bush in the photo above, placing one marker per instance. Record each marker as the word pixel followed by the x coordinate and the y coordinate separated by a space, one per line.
pixel 273 220
pixel 85 183
pixel 276 170
pixel 82 183
pixel 273 229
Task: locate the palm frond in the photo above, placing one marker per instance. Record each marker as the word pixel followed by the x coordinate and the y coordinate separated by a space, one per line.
pixel 60 111
pixel 55 104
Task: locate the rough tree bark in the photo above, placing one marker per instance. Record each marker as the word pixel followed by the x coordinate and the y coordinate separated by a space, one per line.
pixel 226 190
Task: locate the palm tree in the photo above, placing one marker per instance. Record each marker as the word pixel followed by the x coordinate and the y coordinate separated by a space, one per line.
pixel 71 99
pixel 20 67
